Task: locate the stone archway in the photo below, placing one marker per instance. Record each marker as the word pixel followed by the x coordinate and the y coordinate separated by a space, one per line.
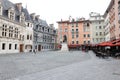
pixel 64 38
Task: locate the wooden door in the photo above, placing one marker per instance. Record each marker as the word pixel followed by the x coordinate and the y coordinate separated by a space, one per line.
pixel 21 47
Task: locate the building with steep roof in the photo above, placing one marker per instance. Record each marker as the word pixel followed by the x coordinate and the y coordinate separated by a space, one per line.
pixel 44 34
pixel 16 32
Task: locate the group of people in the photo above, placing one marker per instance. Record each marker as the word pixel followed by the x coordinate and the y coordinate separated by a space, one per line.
pixel 34 51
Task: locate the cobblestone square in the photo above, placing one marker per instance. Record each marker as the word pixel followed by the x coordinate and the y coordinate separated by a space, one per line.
pixel 56 65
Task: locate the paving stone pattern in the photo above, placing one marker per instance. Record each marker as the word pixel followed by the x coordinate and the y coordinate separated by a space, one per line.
pixel 55 65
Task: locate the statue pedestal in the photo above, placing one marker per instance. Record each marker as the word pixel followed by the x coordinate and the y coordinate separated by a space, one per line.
pixel 64 47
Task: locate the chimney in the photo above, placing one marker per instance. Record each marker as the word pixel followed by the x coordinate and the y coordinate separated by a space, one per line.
pixel 37 17
pixel 51 25
pixel 19 6
pixel 33 16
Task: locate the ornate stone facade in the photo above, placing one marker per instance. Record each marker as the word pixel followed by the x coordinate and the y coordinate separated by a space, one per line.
pixel 19 30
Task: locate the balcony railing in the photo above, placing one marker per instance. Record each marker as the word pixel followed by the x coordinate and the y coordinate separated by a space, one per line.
pixel 75 32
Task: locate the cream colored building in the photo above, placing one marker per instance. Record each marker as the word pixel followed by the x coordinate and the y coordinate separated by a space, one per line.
pixel 14 28
pixel 97 28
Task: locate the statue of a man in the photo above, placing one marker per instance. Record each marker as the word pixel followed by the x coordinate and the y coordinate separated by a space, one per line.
pixel 64 38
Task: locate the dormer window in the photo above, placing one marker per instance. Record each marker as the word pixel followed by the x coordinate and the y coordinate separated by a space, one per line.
pixel 0 9
pixel 22 17
pixel 11 14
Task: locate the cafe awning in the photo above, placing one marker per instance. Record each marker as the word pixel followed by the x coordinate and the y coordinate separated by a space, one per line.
pixel 115 41
pixel 106 44
pixel 117 44
pixel 73 45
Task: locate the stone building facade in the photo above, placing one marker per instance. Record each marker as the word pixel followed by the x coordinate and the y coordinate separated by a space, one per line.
pixel 97 28
pixel 20 31
pixel 44 34
pixel 13 20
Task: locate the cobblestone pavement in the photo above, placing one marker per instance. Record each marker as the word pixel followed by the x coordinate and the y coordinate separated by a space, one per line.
pixel 75 65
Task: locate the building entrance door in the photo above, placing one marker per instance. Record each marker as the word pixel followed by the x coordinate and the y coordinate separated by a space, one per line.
pixel 39 47
pixel 21 47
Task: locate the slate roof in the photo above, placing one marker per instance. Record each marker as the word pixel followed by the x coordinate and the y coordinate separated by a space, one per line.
pixel 6 4
pixel 40 22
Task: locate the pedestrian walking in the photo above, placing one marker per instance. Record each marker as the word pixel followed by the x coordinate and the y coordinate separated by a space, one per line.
pixel 34 51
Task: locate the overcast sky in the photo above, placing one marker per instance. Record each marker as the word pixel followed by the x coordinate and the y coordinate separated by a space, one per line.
pixel 55 10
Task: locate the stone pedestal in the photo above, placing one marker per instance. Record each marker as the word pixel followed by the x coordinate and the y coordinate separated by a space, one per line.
pixel 64 47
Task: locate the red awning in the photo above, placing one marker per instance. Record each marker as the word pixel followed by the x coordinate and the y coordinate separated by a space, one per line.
pixel 115 41
pixel 117 44
pixel 73 45
pixel 106 44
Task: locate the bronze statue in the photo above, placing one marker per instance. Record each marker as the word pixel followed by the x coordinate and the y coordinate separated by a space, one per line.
pixel 64 38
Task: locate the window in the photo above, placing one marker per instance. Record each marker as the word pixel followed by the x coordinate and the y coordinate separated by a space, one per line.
pixel 77 35
pixel 96 34
pixel 10 31
pixel 84 42
pixel 93 39
pixel 72 42
pixel 100 33
pixel 48 30
pixel 72 36
pixel 100 27
pixel 76 30
pixel 65 29
pixel 3 46
pixel 72 25
pixel 4 30
pixel 30 37
pixel 27 37
pixel 88 42
pixel 86 28
pixel 23 38
pixel 15 46
pixel 72 30
pixel 22 18
pixel 99 22
pixel 10 45
pixel 96 27
pixel 88 35
pixel 77 42
pixel 16 33
pixel 43 29
pixel 87 24
pixel 11 13
pixel 20 37
pixel 84 35
pixel 76 24
pixel 97 39
pixel 28 24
